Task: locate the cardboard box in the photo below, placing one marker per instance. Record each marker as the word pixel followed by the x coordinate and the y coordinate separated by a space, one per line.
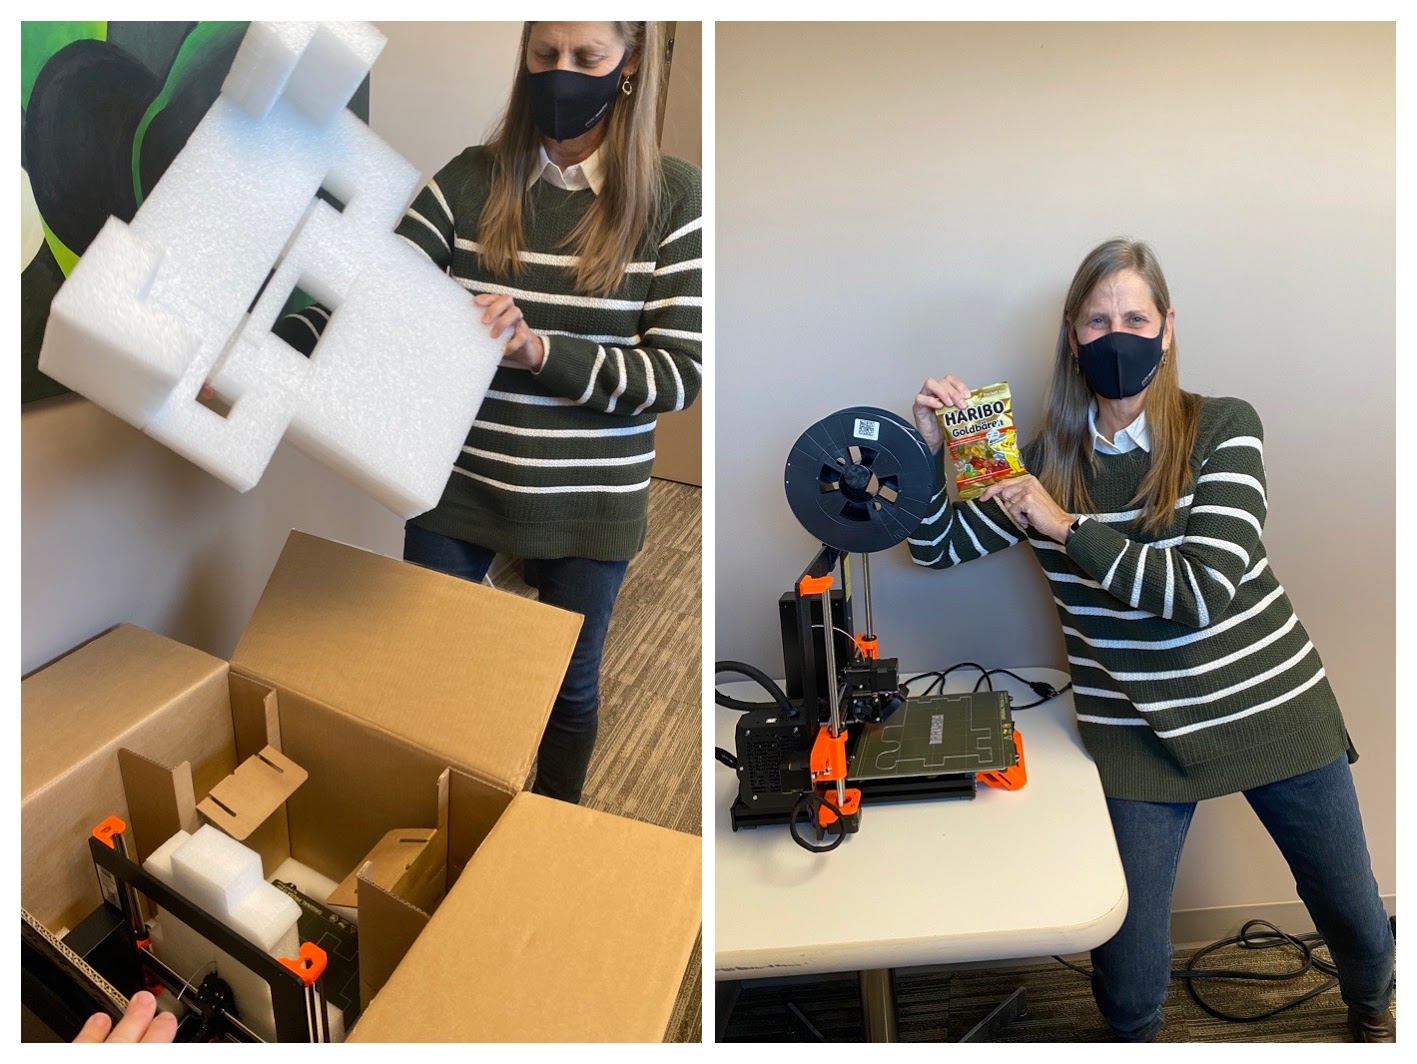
pixel 413 700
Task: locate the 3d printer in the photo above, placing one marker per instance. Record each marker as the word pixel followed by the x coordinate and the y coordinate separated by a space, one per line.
pixel 846 731
pixel 109 956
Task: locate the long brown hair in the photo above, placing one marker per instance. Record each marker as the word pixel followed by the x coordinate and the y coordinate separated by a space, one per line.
pixel 606 239
pixel 1171 413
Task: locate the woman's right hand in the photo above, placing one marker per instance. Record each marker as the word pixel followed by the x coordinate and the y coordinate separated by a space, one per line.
pixel 935 395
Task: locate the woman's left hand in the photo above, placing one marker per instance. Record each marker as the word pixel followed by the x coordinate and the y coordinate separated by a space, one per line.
pixel 523 348
pixel 1028 504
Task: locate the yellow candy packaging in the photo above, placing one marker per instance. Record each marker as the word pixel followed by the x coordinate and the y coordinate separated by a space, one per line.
pixel 982 440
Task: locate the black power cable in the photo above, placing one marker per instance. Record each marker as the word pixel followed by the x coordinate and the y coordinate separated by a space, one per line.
pixel 1045 691
pixel 940 677
pixel 763 680
pixel 1248 938
pixel 812 803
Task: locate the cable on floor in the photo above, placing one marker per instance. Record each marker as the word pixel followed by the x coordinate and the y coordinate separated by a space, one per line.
pixel 1254 935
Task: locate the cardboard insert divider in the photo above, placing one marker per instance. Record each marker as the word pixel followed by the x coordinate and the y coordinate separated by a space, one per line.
pixel 408 873
pixel 243 801
pixel 390 858
pixel 160 801
pixel 391 918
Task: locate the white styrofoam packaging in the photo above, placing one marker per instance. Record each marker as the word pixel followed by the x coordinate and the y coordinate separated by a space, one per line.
pixel 214 870
pixel 317 65
pixel 159 306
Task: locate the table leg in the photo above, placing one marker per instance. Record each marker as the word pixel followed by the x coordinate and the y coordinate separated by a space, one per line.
pixel 878 1004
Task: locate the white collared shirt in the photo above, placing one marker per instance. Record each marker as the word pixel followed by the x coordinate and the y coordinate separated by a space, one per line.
pixel 1127 439
pixel 574 178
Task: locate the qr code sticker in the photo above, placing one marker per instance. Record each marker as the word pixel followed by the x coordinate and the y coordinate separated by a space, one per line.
pixel 867 430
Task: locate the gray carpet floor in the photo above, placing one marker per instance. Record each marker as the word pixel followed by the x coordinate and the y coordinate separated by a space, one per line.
pixel 648 751
pixel 937 1004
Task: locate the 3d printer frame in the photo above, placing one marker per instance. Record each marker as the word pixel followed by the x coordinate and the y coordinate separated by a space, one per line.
pixel 782 758
pixel 297 989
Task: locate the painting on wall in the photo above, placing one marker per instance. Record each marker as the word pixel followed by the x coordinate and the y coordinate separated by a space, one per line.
pixel 104 109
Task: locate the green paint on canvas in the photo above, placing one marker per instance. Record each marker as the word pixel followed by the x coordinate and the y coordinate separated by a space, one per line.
pixel 40 40
pixel 62 255
pixel 205 37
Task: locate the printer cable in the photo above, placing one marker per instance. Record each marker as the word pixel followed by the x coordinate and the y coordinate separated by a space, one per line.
pixel 1248 938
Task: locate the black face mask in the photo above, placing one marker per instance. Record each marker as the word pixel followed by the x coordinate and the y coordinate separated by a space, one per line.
pixel 1120 364
pixel 565 103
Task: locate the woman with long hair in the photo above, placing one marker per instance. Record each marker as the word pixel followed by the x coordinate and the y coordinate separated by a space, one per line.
pixel 581 246
pixel 1192 676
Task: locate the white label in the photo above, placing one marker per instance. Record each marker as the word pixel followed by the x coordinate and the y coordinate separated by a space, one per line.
pixel 937 729
pixel 867 430
pixel 108 883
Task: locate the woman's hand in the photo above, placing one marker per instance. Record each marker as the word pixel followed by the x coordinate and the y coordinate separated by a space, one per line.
pixel 936 395
pixel 141 1023
pixel 523 348
pixel 1028 503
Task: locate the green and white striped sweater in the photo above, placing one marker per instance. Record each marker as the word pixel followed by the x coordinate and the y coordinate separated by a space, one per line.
pixel 1192 676
pixel 557 463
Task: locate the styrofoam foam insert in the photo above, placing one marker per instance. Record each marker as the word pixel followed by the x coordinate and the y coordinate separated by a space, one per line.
pixel 215 871
pixel 317 65
pixel 264 916
pixel 289 944
pixel 159 862
pixel 309 882
pixel 159 306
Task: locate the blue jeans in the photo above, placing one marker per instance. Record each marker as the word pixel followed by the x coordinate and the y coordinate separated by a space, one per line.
pixel 581 585
pixel 1314 820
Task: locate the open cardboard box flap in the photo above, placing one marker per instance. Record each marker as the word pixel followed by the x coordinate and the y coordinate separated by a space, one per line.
pixel 68 718
pixel 453 667
pixel 570 924
pixel 128 688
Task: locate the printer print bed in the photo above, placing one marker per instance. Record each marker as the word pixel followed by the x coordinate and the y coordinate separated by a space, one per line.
pixel 934 735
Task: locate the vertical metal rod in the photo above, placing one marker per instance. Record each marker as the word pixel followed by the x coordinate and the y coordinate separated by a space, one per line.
pixel 832 699
pixel 878 1005
pixel 132 913
pixel 324 1008
pixel 829 637
pixel 866 594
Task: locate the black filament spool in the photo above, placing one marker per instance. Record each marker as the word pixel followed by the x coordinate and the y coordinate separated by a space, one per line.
pixel 860 480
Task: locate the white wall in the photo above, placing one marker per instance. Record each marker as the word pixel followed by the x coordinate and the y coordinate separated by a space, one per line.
pixel 440 86
pixel 116 528
pixel 901 201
